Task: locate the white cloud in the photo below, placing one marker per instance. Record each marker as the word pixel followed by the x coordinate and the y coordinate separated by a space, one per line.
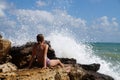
pixel 2 8
pixel 78 23
pixel 64 19
pixel 49 19
pixel 9 23
pixel 5 22
pixel 114 22
pixel 34 16
pixel 105 24
pixel 35 20
pixel 2 13
pixel 103 28
pixel 104 21
pixel 5 7
pixel 40 3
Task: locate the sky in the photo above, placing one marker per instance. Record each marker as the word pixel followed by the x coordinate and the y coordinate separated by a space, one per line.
pixel 90 20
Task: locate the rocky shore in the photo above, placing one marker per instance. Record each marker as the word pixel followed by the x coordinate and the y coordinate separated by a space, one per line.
pixel 14 61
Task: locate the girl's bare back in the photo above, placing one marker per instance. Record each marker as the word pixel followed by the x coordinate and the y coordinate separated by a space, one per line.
pixel 39 49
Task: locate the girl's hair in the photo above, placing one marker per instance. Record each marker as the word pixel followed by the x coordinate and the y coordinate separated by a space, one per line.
pixel 40 38
pixel 0 36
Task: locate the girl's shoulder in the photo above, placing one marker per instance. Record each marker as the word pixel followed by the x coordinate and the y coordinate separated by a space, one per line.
pixel 46 45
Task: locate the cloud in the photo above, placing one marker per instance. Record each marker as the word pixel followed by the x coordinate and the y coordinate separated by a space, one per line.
pixel 7 23
pixel 104 21
pixel 54 4
pixel 56 18
pixel 103 28
pixel 2 8
pixel 63 19
pixel 114 23
pixel 5 7
pixel 34 17
pixel 40 3
pixel 106 24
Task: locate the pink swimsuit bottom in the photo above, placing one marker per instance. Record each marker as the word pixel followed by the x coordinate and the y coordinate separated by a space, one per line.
pixel 48 62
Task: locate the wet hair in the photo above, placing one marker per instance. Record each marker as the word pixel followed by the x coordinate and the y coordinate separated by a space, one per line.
pixel 40 38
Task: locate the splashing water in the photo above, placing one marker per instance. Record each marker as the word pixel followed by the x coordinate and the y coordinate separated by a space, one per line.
pixel 67 47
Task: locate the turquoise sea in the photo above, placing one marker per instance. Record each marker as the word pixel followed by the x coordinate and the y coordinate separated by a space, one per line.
pixel 109 52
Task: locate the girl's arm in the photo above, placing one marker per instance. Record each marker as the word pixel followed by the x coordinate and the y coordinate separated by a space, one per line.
pixel 45 55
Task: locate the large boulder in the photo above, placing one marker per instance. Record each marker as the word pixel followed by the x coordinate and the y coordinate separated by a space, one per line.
pixel 5 46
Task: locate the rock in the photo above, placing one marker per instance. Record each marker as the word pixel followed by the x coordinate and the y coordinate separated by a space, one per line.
pixel 5 46
pixel 91 67
pixel 91 75
pixel 68 60
pixel 78 73
pixel 8 67
pixel 54 73
pixel 20 56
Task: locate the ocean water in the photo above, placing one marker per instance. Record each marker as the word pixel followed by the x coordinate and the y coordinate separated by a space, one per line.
pixel 107 51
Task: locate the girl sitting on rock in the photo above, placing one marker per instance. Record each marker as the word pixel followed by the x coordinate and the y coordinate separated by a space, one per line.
pixel 39 52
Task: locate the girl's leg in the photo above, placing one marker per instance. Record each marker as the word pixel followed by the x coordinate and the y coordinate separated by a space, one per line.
pixel 55 62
